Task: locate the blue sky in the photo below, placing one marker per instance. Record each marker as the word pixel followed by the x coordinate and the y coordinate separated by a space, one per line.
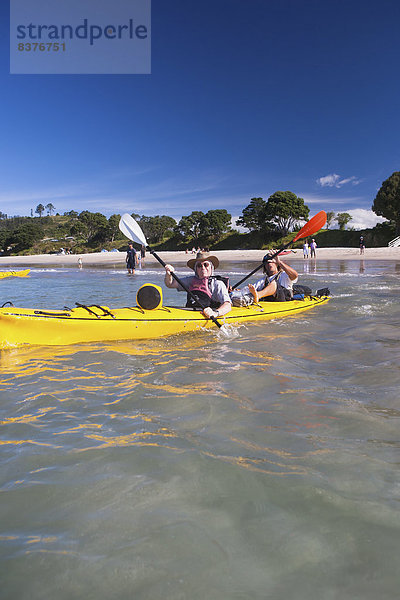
pixel 246 97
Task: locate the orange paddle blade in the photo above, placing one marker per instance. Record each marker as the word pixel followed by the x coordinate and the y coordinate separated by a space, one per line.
pixel 312 226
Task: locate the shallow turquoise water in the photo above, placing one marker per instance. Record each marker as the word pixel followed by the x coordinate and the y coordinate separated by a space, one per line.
pixel 264 466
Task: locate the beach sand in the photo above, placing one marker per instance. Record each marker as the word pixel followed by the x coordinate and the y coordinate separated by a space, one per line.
pixel 180 258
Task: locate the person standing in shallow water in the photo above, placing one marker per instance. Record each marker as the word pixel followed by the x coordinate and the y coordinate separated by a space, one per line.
pixel 131 259
pixel 211 292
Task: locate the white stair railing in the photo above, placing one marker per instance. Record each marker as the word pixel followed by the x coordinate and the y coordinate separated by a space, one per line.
pixel 395 242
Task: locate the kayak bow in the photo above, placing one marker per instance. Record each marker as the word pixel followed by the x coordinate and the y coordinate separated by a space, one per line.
pixel 21 326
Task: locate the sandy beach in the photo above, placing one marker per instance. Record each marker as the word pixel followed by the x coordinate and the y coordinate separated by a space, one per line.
pixel 118 258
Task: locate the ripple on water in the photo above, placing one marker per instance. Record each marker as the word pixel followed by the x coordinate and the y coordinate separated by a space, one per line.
pixel 195 466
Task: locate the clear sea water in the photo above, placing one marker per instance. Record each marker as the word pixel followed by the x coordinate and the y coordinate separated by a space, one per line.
pixel 265 466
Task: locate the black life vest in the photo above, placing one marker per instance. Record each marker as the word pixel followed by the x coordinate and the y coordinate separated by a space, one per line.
pixel 282 294
pixel 199 299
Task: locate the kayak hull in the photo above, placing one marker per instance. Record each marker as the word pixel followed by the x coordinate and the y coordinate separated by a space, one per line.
pixel 23 273
pixel 22 326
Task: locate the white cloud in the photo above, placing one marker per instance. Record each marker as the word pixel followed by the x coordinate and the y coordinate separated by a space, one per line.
pixel 363 219
pixel 238 227
pixel 171 196
pixel 328 180
pixel 353 180
pixel 335 180
pixel 326 201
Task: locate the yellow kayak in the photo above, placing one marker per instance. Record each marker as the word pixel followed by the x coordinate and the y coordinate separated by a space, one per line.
pixel 14 273
pixel 20 326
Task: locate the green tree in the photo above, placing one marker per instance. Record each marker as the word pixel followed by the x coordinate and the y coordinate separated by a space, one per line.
pixel 79 229
pixel 329 218
pixel 26 235
pixel 39 210
pixel 113 225
pixel 387 200
pixel 253 216
pixel 96 226
pixel 50 208
pixel 343 219
pixel 3 238
pixel 190 227
pixel 284 210
pixel 72 214
pixel 156 228
pixel 214 224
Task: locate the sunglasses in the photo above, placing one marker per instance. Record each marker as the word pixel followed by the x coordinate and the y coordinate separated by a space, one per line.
pixel 204 264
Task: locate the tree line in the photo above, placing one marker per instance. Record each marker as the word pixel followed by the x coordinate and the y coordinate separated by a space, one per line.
pixel 271 219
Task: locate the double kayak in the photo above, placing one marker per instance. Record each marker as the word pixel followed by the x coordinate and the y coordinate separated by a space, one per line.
pixel 4 274
pixel 95 323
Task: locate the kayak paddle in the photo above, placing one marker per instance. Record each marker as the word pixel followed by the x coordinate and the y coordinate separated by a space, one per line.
pixel 312 226
pixel 131 229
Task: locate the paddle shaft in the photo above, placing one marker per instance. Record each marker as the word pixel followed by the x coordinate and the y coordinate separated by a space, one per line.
pixel 180 282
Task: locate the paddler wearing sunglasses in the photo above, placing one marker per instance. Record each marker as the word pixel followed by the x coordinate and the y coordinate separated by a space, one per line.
pixel 212 293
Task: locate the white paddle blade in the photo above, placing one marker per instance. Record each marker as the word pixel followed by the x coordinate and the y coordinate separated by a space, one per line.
pixel 132 230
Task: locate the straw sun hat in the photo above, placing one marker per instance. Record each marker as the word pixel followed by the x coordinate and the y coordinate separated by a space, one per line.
pixel 201 257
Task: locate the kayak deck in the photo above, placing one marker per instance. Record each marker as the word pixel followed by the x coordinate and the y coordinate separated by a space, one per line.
pixel 21 326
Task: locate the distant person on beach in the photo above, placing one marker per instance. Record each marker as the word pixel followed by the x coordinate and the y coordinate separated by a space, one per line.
pixel 362 245
pixel 79 263
pixel 131 259
pixel 305 249
pixel 210 291
pixel 143 253
pixel 313 248
pixel 278 281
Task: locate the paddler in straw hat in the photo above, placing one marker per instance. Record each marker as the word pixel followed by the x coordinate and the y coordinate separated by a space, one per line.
pixel 211 292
